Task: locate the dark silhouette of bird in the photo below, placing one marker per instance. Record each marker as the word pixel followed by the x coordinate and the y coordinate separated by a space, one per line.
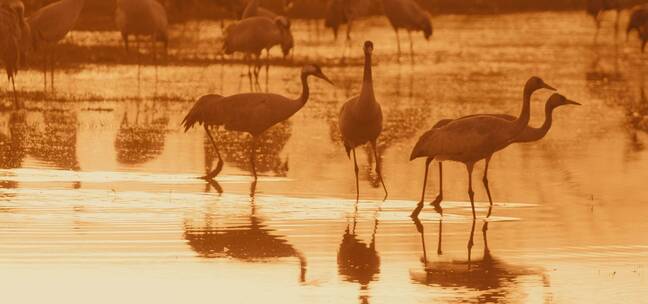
pixel 143 18
pixel 249 112
pixel 596 7
pixel 339 12
pixel 638 17
pixel 12 29
pixel 529 134
pixel 49 25
pixel 252 35
pixel 253 9
pixel 471 139
pixel 408 15
pixel 361 119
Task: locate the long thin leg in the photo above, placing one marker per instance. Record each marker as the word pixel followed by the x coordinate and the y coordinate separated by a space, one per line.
pixel 419 207
pixel 484 232
pixel 398 42
pixel 219 166
pixel 471 243
pixel 45 58
pixel 419 228
pixel 409 33
pixel 13 84
pixel 379 168
pixel 356 169
pixel 439 251
pixel 52 66
pixel 471 193
pixel 437 201
pixel 253 157
pixel 485 180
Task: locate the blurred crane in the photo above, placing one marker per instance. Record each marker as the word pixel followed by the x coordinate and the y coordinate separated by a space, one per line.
pixel 253 35
pixel 530 134
pixel 596 7
pixel 13 29
pixel 249 112
pixel 145 18
pixel 49 25
pixel 471 139
pixel 339 12
pixel 361 120
pixel 407 14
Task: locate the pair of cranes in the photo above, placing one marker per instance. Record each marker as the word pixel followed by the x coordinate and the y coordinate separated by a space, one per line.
pixel 467 139
pixel 50 24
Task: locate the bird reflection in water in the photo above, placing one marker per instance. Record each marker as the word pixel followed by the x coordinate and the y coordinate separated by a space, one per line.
pixel 55 142
pixel 495 278
pixel 251 242
pixel 142 139
pixel 357 261
pixel 12 145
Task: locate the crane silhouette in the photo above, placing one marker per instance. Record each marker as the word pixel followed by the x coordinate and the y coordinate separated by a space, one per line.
pixel 596 7
pixel 638 17
pixel 339 12
pixel 13 28
pixel 471 139
pixel 253 35
pixel 249 112
pixel 49 25
pixel 361 119
pixel 408 15
pixel 529 134
pixel 145 18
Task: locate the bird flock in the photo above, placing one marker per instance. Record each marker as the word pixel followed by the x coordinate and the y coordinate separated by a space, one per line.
pixel 468 139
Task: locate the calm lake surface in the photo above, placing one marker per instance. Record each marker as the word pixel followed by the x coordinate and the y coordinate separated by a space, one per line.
pixel 99 200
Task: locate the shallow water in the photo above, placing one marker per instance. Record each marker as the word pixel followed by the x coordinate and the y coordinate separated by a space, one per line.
pixel 99 200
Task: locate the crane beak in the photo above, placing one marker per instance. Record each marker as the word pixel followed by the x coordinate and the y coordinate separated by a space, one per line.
pixel 571 102
pixel 548 87
pixel 322 76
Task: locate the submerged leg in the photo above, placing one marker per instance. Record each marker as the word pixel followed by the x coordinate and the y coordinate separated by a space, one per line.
pixel 355 168
pixel 471 193
pixel 379 168
pixel 219 166
pixel 437 201
pixel 471 243
pixel 13 84
pixel 419 207
pixel 485 180
pixel 419 228
pixel 409 33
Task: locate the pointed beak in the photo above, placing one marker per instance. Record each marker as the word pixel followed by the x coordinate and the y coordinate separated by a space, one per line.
pixel 548 87
pixel 322 76
pixel 571 102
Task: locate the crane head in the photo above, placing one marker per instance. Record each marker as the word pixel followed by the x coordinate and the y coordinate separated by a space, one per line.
pixel 536 83
pixel 368 47
pixel 315 70
pixel 557 100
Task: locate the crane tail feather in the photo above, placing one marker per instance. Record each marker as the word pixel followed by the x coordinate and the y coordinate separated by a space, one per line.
pixel 203 111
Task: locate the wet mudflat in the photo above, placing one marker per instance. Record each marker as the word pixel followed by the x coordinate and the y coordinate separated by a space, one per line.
pixel 99 199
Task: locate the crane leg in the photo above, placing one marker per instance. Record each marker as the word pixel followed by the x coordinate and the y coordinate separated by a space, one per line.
pixel 52 66
pixel 485 180
pixel 437 201
pixel 398 42
pixel 356 169
pixel 253 157
pixel 409 33
pixel 471 243
pixel 125 38
pixel 379 168
pixel 219 166
pixel 419 206
pixel 13 84
pixel 45 53
pixel 439 251
pixel 484 234
pixel 471 193
pixel 419 228
pixel 348 32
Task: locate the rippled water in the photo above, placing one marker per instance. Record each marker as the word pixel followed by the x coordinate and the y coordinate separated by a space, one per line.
pixel 99 200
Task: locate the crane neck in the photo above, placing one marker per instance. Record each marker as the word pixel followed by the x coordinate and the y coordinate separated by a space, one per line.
pixel 303 98
pixel 367 80
pixel 523 120
pixel 542 131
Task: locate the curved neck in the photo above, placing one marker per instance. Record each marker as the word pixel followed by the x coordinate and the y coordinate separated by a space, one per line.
pixel 523 120
pixel 542 131
pixel 303 98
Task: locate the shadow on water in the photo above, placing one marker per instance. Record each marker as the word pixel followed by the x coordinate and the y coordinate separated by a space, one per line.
pixel 250 240
pixel 496 280
pixel 141 133
pixel 357 261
